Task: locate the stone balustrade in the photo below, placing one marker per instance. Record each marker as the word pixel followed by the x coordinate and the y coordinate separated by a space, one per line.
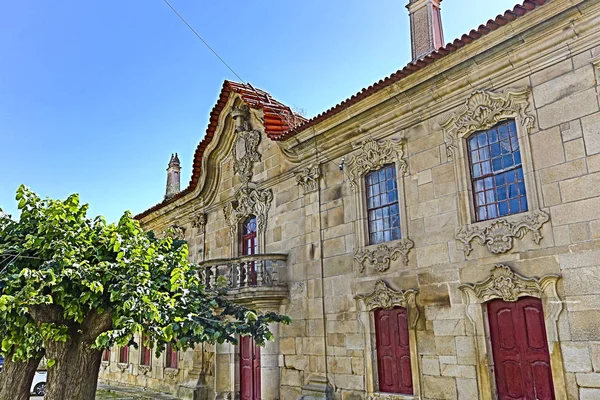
pixel 245 272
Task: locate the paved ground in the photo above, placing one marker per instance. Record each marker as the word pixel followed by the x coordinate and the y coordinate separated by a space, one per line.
pixel 122 393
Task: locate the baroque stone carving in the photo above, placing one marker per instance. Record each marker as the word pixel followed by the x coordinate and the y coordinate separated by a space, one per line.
pixel 482 110
pixel 105 364
pixel 247 141
pixel 199 222
pixel 385 297
pixel 507 285
pixel 171 372
pixel 374 155
pixel 175 232
pixel 144 369
pixel 308 178
pixel 122 366
pixel 380 258
pixel 499 234
pixel 249 201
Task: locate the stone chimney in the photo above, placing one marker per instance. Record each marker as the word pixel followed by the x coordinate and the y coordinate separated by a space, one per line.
pixel 173 177
pixel 425 27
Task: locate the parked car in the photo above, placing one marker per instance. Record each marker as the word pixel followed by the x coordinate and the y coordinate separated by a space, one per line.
pixel 38 386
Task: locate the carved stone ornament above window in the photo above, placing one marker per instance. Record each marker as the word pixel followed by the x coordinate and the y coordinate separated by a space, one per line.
pixel 308 178
pixel 245 148
pixel 483 110
pixel 380 258
pixel 507 285
pixel 498 234
pixel 248 201
pixel 385 297
pixel 374 155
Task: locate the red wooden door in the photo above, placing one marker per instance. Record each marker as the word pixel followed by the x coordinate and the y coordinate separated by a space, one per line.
pixel 393 351
pixel 520 350
pixel 249 246
pixel 249 369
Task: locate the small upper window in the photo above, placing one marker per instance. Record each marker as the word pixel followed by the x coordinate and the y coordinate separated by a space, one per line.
pixel 496 172
pixel 382 205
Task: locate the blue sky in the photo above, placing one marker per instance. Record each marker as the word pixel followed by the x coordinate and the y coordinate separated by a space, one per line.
pixel 96 95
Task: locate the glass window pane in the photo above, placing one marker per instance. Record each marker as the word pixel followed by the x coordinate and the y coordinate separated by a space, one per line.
pixel 482 139
pixel 387 236
pixel 507 161
pixel 493 135
pixel 395 234
pixel 486 169
pixel 476 170
pixel 489 182
pixel 492 212
pixel 495 149
pixel 501 191
pixel 473 143
pixel 474 156
pixel 481 213
pixel 503 208
pixel 524 204
pixel 503 131
pixel 478 185
pixel 396 221
pixel 497 164
pixel 505 147
pixel 490 196
pixel 514 206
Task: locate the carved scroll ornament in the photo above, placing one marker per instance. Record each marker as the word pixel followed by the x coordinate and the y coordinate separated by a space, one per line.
pixel 171 372
pixel 199 222
pixel 373 156
pixel 385 297
pixel 308 178
pixel 144 369
pixel 247 140
pixel 249 201
pixel 507 285
pixel 498 236
pixel 380 258
pixel 175 232
pixel 483 110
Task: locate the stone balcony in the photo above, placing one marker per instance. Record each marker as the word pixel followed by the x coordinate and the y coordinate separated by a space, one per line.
pixel 252 280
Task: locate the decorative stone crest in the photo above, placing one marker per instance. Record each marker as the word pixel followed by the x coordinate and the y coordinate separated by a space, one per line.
pixel 507 285
pixel 249 201
pixel 199 222
pixel 308 178
pixel 172 372
pixel 144 369
pixel 374 155
pixel 380 258
pixel 175 232
pixel 482 110
pixel 385 297
pixel 245 149
pixel 498 236
pixel 122 366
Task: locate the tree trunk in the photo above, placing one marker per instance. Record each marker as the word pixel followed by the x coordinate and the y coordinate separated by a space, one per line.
pixel 16 378
pixel 75 374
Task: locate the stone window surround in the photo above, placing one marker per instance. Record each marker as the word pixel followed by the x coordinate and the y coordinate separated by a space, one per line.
pixel 373 155
pixel 483 110
pixel 383 296
pixel 248 201
pixel 503 283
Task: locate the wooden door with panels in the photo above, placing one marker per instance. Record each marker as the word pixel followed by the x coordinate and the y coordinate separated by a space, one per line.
pixel 520 350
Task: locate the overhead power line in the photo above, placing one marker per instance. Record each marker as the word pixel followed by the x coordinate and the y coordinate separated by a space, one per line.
pixel 203 41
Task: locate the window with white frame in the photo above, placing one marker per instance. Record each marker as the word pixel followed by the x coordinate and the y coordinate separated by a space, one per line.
pixel 383 209
pixel 496 172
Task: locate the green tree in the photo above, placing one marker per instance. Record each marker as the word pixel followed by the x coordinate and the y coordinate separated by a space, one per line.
pixel 76 285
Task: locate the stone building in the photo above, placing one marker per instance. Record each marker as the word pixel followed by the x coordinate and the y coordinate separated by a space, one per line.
pixel 435 236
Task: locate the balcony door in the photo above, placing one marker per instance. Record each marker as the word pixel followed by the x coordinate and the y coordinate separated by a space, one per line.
pixel 249 242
